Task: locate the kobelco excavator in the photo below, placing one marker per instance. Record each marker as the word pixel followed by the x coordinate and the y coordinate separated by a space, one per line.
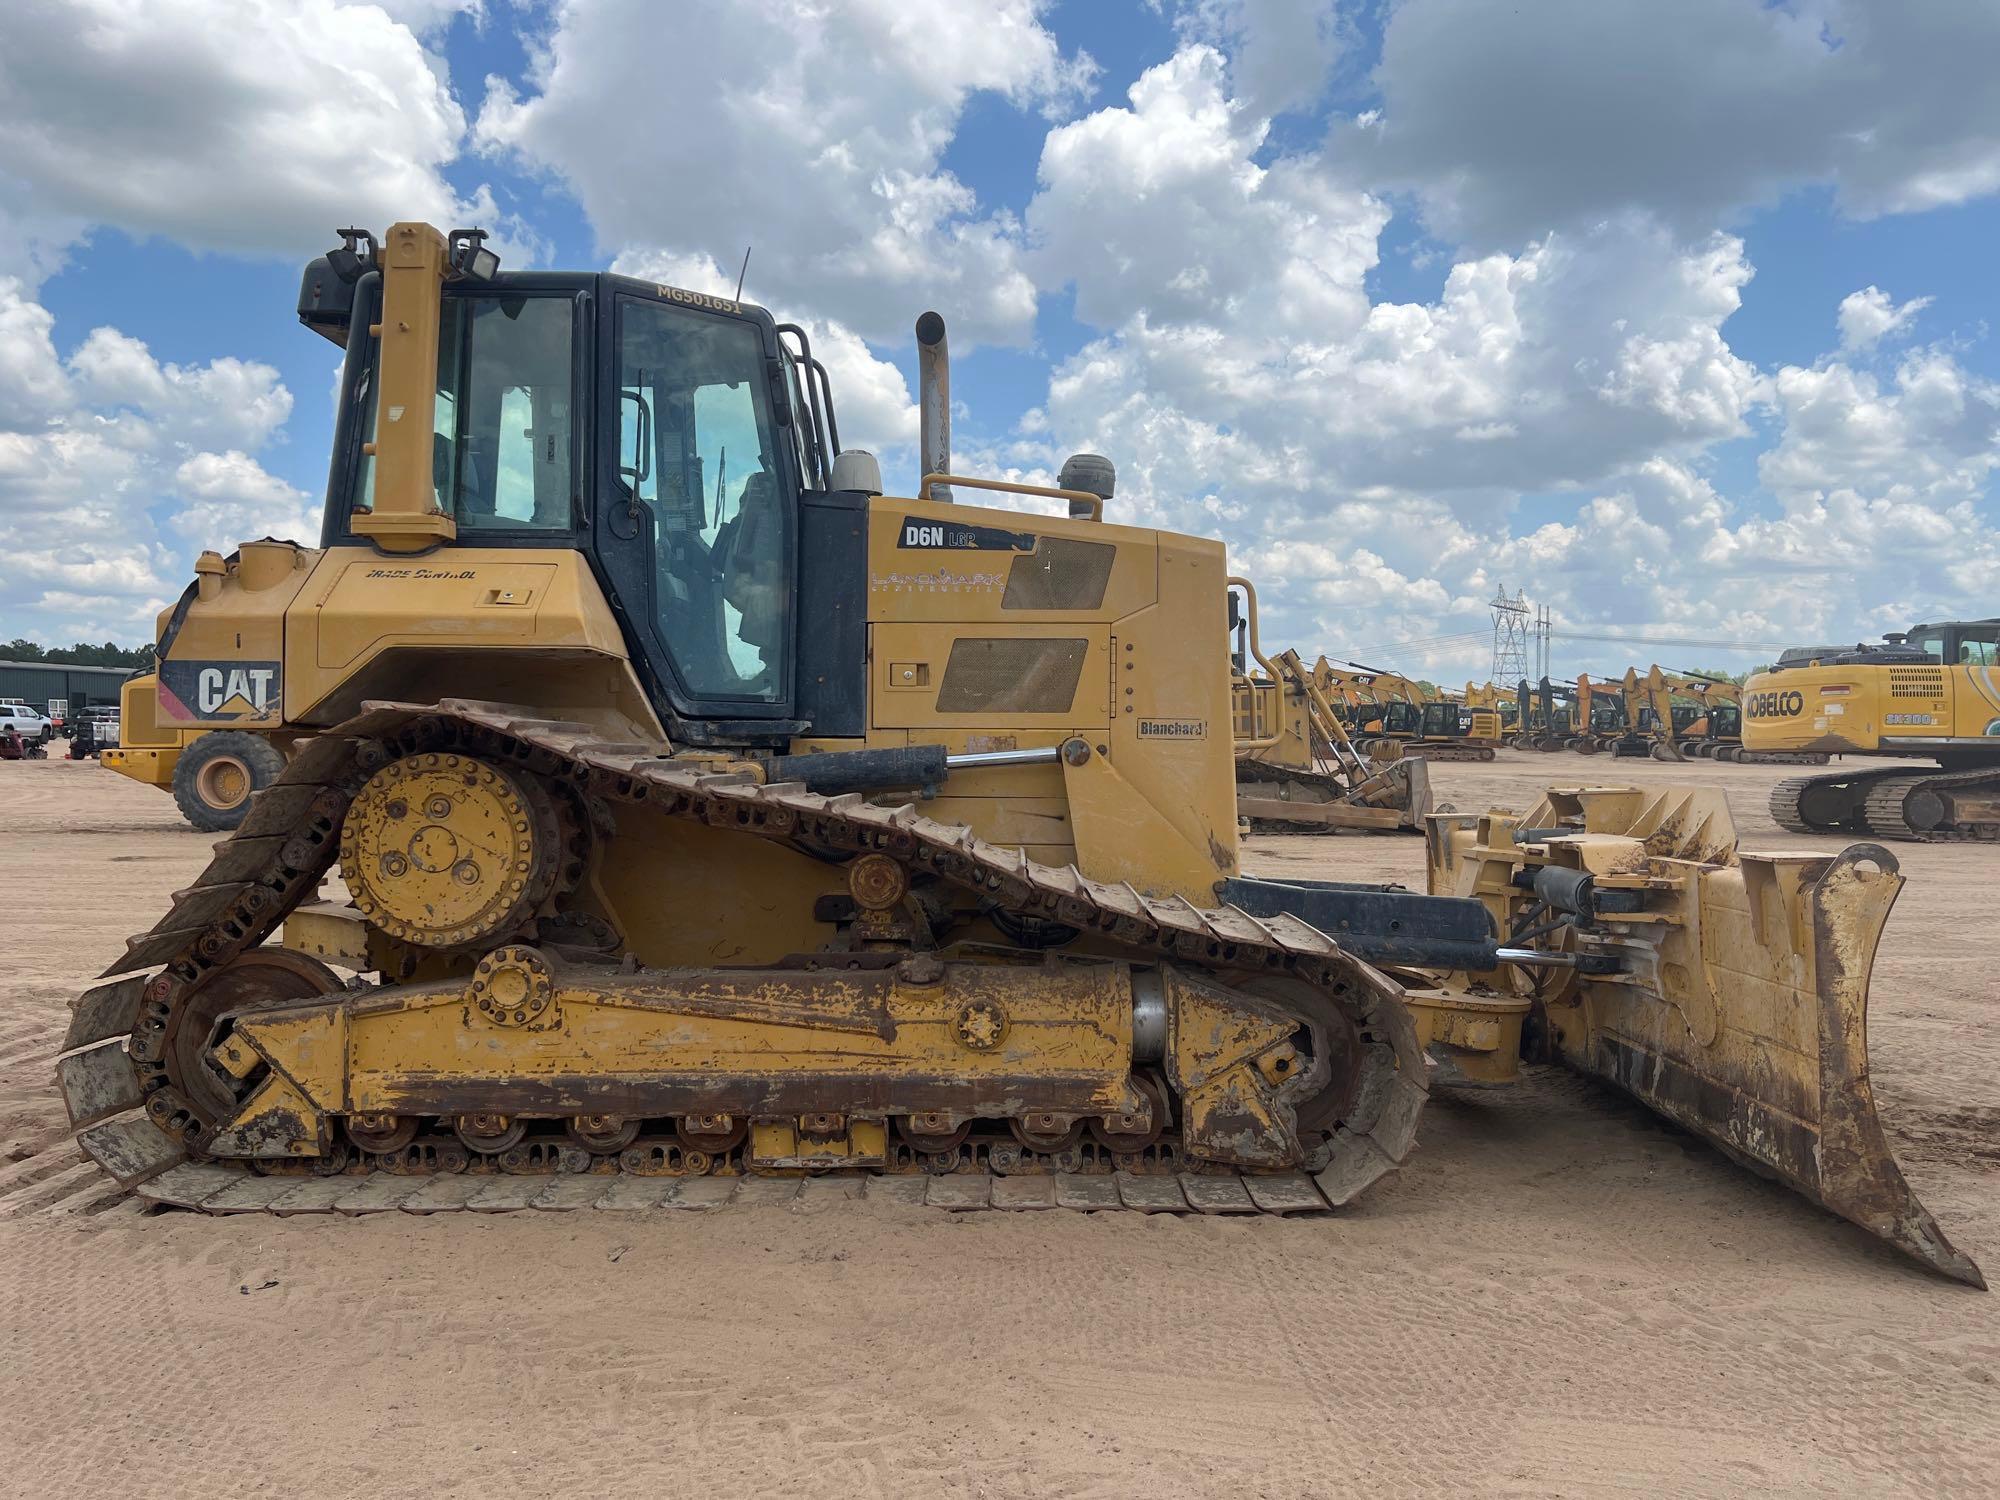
pixel 1930 693
pixel 710 824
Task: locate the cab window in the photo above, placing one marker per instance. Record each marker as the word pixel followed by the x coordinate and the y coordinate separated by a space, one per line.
pixel 699 450
pixel 1930 642
pixel 1979 646
pixel 502 453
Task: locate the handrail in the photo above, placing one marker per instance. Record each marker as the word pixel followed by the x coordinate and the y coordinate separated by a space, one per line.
pixel 1257 651
pixel 1075 497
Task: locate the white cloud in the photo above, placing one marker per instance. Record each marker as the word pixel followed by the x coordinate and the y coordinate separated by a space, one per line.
pixel 228 402
pixel 1870 315
pixel 1934 435
pixel 1364 459
pixel 1581 355
pixel 425 16
pixel 230 495
pixel 1509 121
pixel 1280 51
pixel 32 384
pixel 231 125
pixel 114 467
pixel 814 133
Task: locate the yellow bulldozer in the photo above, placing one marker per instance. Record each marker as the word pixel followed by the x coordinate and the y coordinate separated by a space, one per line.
pixel 1931 693
pixel 1297 771
pixel 709 823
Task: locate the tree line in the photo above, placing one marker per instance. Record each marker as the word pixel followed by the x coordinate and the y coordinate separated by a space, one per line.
pixel 82 654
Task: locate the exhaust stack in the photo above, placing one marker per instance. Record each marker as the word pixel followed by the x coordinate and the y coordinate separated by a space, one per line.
pixel 933 402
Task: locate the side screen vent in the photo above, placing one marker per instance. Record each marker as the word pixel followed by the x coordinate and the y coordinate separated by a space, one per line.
pixel 1061 573
pixel 1916 682
pixel 1011 676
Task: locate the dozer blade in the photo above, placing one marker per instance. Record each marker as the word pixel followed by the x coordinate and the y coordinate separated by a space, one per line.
pixel 1787 946
pixel 1739 1002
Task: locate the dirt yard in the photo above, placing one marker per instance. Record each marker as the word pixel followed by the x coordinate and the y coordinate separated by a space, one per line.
pixel 1558 1296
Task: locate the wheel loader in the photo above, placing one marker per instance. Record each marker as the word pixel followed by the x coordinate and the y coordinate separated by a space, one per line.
pixel 1931 693
pixel 711 825
pixel 212 774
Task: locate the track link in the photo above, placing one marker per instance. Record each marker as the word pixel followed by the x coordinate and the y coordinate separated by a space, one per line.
pixel 1873 802
pixel 218 1190
pixel 117 1047
pixel 1784 804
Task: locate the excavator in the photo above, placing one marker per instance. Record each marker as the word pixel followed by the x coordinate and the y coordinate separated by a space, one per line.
pixel 1487 698
pixel 712 826
pixel 1713 726
pixel 1398 717
pixel 1296 769
pixel 1651 713
pixel 1930 693
pixel 1715 729
pixel 1544 715
pixel 1600 715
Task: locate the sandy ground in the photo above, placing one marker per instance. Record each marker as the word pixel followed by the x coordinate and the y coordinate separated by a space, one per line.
pixel 1558 1296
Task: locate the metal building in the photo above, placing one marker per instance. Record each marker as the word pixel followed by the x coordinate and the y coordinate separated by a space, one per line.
pixel 43 683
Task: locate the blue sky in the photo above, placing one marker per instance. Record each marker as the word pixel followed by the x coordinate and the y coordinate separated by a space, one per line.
pixel 1402 323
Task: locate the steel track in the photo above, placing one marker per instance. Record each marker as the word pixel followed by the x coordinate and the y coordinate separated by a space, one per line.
pixel 1876 806
pixel 116 1045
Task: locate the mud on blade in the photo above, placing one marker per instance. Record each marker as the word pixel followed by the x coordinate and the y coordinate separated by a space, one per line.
pixel 1731 992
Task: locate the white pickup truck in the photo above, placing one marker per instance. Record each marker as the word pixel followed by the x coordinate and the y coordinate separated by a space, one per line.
pixel 31 723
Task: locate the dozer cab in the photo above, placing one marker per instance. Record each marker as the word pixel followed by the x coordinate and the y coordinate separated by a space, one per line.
pixel 708 822
pixel 1931 693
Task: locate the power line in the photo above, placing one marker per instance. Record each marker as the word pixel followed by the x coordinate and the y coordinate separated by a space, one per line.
pixel 1671 640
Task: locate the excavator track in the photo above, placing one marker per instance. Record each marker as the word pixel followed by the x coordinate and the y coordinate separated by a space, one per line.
pixel 1448 752
pixel 1779 757
pixel 135 1120
pixel 1877 803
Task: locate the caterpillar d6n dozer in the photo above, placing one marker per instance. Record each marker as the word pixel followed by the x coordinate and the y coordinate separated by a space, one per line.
pixel 1929 693
pixel 710 823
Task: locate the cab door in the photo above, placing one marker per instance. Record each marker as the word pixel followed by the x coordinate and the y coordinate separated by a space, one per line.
pixel 698 507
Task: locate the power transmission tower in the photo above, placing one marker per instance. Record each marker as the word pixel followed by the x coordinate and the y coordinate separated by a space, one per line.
pixel 1510 637
pixel 1544 627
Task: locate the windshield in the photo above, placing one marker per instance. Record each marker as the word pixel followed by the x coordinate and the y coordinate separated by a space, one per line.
pixel 698 451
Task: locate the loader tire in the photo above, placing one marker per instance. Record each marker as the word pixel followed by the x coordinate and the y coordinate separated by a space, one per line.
pixel 219 773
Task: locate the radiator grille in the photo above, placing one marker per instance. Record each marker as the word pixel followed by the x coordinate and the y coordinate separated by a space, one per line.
pixel 1916 682
pixel 1061 573
pixel 1011 676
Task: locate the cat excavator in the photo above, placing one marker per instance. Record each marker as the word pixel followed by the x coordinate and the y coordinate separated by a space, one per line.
pixel 712 826
pixel 1930 693
pixel 1397 717
pixel 1715 731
